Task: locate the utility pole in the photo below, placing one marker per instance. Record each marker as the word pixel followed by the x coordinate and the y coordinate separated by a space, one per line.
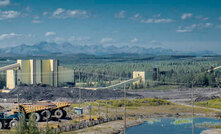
pixel 116 108
pixel 192 107
pixel 90 111
pixel 98 109
pixel 79 76
pixel 106 110
pixel 125 110
pixel 17 98
pixel 19 110
pixel 79 104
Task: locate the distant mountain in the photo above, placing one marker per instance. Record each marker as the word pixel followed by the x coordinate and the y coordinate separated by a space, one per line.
pixel 47 48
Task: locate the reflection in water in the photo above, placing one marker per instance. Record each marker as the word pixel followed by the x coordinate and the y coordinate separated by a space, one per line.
pixel 171 126
pixel 182 121
pixel 152 121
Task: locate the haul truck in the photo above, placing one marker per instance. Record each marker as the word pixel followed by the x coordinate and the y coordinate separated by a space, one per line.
pixel 9 120
pixel 42 110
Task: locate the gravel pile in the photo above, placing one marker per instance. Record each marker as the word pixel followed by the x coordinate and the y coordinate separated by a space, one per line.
pixel 206 98
pixel 52 93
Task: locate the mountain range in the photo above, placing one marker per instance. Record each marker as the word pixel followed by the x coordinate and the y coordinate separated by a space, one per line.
pixel 47 48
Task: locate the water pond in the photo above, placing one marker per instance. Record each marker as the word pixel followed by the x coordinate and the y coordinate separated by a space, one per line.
pixel 173 126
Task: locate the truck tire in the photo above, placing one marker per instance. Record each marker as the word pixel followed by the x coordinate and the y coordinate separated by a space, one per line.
pixel 46 114
pixel 13 124
pixel 64 114
pixel 1 125
pixel 36 117
pixel 58 113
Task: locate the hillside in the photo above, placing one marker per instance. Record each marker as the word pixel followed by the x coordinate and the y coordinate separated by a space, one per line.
pixel 46 48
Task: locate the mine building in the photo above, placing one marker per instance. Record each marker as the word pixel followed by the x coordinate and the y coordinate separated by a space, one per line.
pixel 32 72
pixel 142 75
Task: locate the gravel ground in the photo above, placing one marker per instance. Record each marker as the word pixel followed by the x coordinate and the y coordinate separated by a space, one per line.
pixel 212 131
pixel 182 94
pixel 59 94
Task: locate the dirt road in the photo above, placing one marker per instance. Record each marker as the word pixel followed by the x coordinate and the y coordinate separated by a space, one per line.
pixel 181 95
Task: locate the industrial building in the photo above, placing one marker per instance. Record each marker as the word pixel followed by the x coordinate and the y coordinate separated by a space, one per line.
pixel 142 75
pixel 32 72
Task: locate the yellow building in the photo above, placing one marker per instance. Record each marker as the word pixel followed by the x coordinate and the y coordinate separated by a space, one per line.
pixel 33 72
pixel 141 74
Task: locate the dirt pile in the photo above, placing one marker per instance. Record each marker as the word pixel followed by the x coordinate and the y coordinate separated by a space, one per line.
pixel 206 98
pixel 52 93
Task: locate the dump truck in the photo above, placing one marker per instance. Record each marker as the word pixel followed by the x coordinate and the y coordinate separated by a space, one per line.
pixel 8 120
pixel 42 110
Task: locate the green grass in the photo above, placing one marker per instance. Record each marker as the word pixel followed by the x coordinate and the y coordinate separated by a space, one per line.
pixel 131 103
pixel 214 103
pixel 208 125
pixel 182 121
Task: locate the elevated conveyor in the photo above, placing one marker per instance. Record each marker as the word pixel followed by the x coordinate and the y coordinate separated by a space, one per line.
pixel 12 66
pixel 121 83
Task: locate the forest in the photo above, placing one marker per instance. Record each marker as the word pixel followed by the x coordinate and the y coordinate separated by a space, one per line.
pixel 100 71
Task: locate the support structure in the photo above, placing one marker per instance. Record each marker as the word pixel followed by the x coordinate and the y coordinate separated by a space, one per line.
pixel 192 99
pixel 125 109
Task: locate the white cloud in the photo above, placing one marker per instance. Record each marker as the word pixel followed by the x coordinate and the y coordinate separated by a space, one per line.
pixel 163 20
pixel 193 27
pixel 50 33
pixel 157 15
pixel 82 39
pixel 134 40
pixel 45 13
pixel 36 17
pixel 207 25
pixel 202 18
pixel 37 21
pixel 186 16
pixel 155 43
pixel 58 12
pixel 152 20
pixel 4 2
pixel 62 13
pixel 120 15
pixel 8 14
pixel 59 39
pixel 28 9
pixel 30 35
pixel 10 35
pixel 136 16
pixel 206 18
pixel 106 40
pixel 147 21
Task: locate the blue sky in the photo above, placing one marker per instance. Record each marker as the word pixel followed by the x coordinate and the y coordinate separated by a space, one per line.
pixel 185 25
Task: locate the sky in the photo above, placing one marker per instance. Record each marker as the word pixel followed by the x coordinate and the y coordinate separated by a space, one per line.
pixel 183 25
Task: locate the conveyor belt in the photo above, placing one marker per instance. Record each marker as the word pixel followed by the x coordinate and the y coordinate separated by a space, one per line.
pixel 12 66
pixel 121 83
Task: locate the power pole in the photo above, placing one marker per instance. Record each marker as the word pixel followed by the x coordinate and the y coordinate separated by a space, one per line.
pixel 19 110
pixel 90 111
pixel 116 109
pixel 79 104
pixel 98 109
pixel 125 110
pixel 79 76
pixel 106 110
pixel 192 108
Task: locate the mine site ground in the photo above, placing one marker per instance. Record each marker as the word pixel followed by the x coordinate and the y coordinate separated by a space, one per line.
pixel 180 98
